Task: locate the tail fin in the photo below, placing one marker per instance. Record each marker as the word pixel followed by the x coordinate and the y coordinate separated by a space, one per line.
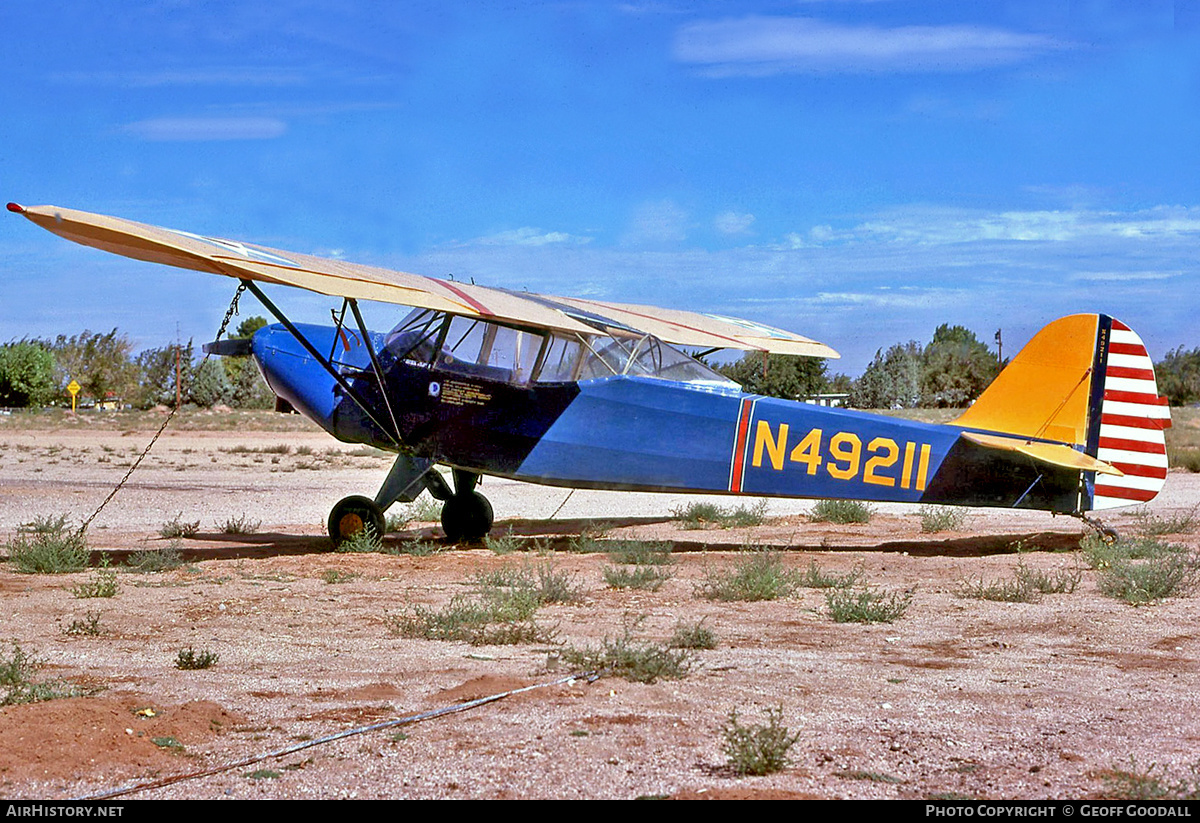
pixel 1086 381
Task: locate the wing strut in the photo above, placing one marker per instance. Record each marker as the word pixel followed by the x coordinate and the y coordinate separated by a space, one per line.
pixel 325 363
pixel 362 329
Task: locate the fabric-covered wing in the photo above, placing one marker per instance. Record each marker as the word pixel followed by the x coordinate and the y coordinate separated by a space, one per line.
pixel 319 274
pixel 341 279
pixel 687 328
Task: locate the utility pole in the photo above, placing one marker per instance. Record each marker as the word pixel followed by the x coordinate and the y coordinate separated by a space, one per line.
pixel 999 348
pixel 178 389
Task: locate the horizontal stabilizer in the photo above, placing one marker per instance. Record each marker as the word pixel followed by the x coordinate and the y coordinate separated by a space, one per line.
pixel 1053 453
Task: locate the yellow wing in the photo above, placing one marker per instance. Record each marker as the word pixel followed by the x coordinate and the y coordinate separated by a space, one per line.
pixel 340 279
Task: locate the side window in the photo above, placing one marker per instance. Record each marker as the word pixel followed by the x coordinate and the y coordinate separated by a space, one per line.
pixel 414 338
pixel 464 341
pixel 514 352
pixel 561 363
pixel 489 351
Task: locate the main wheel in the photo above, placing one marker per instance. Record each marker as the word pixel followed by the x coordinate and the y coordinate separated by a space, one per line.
pixel 467 517
pixel 353 515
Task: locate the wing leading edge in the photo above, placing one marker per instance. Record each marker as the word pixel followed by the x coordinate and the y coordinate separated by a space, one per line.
pixel 341 279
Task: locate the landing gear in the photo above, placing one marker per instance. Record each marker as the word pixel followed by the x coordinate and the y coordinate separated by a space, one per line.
pixel 354 515
pixel 1105 532
pixel 467 515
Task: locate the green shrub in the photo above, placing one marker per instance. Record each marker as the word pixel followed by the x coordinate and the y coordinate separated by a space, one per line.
pixel 541 583
pixel 1184 458
pixel 47 546
pixel 17 681
pixel 816 578
pixel 866 605
pixel 1005 591
pixel 151 561
pixel 1151 525
pixel 177 528
pixel 640 552
pixel 692 636
pixel 499 612
pixel 1145 581
pixel 339 576
pixel 701 515
pixel 102 584
pixel 364 541
pixel 627 658
pixel 238 525
pixel 1141 570
pixel 189 659
pixel 506 543
pixel 760 748
pixel 874 777
pixel 480 622
pixel 759 575
pixel 650 578
pixel 87 625
pixel 841 511
pixel 1053 582
pixel 1152 783
pixel 425 509
pixel 942 519
pixel 414 548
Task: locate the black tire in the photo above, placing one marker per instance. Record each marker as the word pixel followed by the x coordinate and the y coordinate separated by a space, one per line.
pixel 352 515
pixel 467 517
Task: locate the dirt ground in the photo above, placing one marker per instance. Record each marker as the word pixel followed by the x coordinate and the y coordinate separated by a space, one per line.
pixel 960 697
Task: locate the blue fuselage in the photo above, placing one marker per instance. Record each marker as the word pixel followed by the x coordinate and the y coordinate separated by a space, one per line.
pixel 641 433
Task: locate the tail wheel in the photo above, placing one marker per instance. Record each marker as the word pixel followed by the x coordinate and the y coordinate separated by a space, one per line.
pixel 353 515
pixel 467 517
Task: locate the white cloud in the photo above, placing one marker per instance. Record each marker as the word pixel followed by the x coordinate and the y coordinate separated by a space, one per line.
pixel 772 45
pixel 528 236
pixel 934 225
pixel 208 128
pixel 658 223
pixel 731 222
pixel 1122 276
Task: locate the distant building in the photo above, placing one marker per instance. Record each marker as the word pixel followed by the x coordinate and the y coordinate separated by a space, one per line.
pixel 831 399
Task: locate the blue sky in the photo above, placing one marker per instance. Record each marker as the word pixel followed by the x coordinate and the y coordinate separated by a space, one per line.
pixel 858 172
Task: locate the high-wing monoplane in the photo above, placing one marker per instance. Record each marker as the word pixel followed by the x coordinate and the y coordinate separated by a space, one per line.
pixel 589 394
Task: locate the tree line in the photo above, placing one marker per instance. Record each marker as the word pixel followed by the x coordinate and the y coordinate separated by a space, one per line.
pixel 950 371
pixel 36 373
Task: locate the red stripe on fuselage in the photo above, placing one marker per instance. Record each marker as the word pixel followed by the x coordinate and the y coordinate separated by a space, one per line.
pixel 737 469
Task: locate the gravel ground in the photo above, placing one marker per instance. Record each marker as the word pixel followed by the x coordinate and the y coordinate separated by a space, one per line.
pixel 958 697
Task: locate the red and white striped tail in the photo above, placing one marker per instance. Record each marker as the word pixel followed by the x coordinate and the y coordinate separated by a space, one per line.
pixel 1132 419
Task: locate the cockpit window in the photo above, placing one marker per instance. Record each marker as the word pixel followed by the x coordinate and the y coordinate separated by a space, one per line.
pixel 473 346
pixel 415 337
